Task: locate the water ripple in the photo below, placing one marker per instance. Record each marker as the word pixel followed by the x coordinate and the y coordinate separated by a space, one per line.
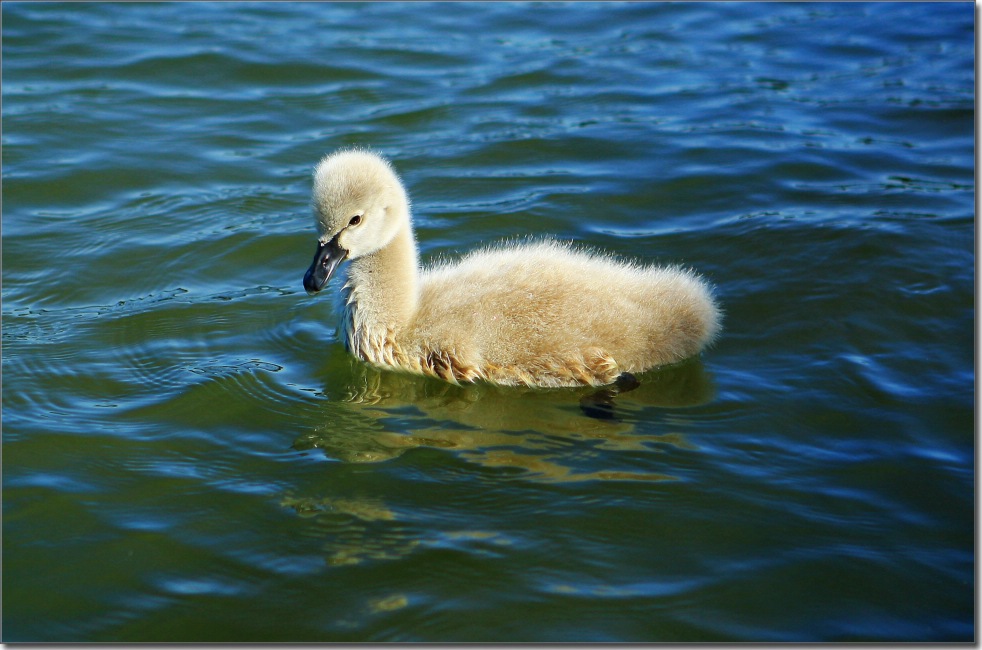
pixel 186 440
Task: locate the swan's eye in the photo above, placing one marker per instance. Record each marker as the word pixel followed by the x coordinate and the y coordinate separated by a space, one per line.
pixel 355 220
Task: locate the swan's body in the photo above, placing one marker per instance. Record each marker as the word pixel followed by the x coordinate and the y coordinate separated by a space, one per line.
pixel 535 314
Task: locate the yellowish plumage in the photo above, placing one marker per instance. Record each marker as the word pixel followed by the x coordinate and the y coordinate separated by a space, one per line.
pixel 535 314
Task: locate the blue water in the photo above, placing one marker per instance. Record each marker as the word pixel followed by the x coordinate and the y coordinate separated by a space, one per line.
pixel 189 454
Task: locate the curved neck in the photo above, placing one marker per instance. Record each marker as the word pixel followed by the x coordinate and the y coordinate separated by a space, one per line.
pixel 382 287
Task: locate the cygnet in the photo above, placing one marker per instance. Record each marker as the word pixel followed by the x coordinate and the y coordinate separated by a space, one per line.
pixel 530 313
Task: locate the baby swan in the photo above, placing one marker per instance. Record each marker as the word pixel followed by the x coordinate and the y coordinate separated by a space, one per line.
pixel 534 314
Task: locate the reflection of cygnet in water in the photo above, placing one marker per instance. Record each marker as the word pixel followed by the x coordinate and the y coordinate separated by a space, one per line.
pixel 543 432
pixel 529 314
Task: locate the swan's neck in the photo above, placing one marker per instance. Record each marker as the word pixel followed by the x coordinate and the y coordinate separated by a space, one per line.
pixel 381 297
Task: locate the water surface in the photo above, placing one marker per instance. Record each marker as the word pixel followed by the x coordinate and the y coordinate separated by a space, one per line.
pixel 190 455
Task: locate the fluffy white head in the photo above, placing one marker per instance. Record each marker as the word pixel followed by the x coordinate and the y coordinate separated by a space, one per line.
pixel 358 198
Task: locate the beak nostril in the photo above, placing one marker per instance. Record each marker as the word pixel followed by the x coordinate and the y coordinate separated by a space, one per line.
pixel 327 258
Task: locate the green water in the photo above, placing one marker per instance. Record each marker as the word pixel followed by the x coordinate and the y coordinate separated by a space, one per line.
pixel 189 454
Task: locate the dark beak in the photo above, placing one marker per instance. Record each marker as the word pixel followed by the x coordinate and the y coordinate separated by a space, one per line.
pixel 326 260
